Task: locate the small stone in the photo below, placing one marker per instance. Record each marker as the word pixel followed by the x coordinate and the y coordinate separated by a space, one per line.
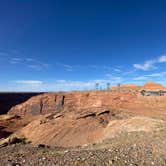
pixel 134 145
pixel 152 163
pixel 66 151
pixel 110 162
pixel 85 145
pixel 116 158
pixel 16 164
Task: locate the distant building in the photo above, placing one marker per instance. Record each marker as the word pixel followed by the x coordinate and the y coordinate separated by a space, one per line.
pixel 153 89
pixel 148 89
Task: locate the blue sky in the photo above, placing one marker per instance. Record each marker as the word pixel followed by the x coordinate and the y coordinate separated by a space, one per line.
pixel 50 45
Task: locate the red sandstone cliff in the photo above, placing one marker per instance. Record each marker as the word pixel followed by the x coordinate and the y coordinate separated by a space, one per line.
pixel 68 102
pixel 82 101
pixel 79 118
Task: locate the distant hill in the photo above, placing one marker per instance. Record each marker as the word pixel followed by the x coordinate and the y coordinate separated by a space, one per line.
pixel 147 86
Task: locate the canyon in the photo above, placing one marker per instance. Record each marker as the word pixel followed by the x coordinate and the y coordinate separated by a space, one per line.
pixel 83 119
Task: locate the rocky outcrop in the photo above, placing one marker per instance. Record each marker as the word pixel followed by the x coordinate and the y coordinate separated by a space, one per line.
pixel 84 130
pixel 35 106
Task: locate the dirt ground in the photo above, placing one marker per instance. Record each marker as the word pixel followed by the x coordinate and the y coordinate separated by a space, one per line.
pixel 127 149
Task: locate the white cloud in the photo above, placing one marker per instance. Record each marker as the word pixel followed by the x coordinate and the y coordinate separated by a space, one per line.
pixel 145 66
pixel 139 78
pixel 117 70
pixel 29 62
pixel 150 64
pixel 74 84
pixel 60 85
pixel 150 76
pixel 68 67
pixel 25 86
pixel 160 74
pixel 129 72
pixel 30 59
pixel 88 85
pixel 57 85
pixel 15 60
pixel 116 79
pixel 162 59
pixel 31 82
pixel 38 66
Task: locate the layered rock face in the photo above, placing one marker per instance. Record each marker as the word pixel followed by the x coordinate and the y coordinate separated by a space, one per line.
pixel 69 102
pixel 41 104
pixel 78 102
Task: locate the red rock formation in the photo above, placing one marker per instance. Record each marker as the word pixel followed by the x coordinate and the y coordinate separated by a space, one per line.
pixel 88 128
pixel 78 118
pixel 152 86
pixel 77 102
pixel 68 102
